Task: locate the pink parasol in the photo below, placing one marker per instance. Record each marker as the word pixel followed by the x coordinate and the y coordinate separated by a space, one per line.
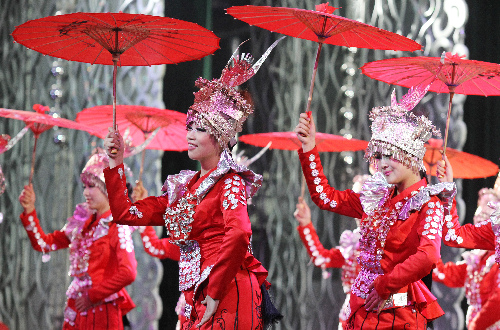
pixel 141 121
pixel 39 122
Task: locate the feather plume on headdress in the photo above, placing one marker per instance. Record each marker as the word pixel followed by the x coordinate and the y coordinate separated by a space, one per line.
pixel 218 105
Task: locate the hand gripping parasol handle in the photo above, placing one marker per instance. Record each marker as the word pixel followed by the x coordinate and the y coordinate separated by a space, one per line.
pixel 32 171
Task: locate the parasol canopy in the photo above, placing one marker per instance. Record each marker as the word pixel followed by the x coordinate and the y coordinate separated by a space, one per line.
pixel 39 122
pixel 455 75
pixel 289 141
pixel 465 165
pixel 117 39
pixel 323 27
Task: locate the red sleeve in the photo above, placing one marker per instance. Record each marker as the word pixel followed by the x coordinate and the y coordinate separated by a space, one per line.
pixel 331 258
pixel 419 264
pixel 488 315
pixel 322 194
pixel 39 240
pixel 119 272
pixel 158 247
pixel 469 236
pixel 451 274
pixel 148 211
pixel 237 232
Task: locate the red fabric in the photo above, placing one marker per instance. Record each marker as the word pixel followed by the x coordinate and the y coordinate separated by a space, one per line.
pixel 488 315
pixel 409 255
pixel 158 247
pixel 238 309
pixel 388 319
pixel 223 235
pixel 105 317
pixel 110 266
pixel 333 257
pixel 450 274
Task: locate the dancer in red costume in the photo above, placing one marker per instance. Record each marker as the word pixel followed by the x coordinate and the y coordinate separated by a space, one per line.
pixel 400 217
pixel 205 212
pixel 344 256
pixel 484 235
pixel 102 260
pixel 477 272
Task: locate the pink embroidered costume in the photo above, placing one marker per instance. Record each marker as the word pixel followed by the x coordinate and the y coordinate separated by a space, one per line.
pixel 400 233
pixel 102 260
pixel 206 215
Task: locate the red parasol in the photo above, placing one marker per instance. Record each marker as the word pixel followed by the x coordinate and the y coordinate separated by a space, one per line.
pixel 321 26
pixel 141 122
pixel 39 122
pixel 117 39
pixel 457 75
pixel 289 141
pixel 465 165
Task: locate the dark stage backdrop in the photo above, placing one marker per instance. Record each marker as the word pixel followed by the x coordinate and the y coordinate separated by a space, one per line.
pixel 482 114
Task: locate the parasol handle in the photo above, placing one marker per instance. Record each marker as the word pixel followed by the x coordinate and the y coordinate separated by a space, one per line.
pixel 32 171
pixel 303 186
pixel 142 164
pixel 451 89
pixel 313 78
pixel 115 69
pixel 452 93
pixel 116 57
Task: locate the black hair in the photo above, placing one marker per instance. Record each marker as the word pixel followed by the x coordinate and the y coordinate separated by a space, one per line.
pixel 130 189
pixel 423 174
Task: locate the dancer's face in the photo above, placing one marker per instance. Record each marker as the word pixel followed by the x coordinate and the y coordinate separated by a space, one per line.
pixel 202 146
pixel 394 171
pixel 95 198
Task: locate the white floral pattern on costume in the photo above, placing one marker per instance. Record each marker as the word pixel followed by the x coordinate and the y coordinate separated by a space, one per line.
pixel 433 226
pixel 451 235
pixel 125 237
pixel 135 211
pixel 234 193
pixel 317 181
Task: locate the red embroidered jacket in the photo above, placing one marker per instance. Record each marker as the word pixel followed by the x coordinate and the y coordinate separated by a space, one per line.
pixel 400 234
pixel 206 217
pixel 102 258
